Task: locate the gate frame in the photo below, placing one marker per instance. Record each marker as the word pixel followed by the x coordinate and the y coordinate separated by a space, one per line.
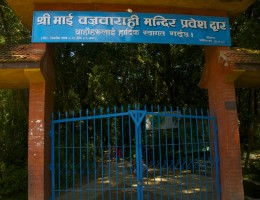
pixel 138 116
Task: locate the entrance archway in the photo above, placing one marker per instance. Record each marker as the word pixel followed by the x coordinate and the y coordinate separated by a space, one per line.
pixel 222 106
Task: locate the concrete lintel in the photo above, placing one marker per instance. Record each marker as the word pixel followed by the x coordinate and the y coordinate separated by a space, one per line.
pixel 34 75
pixel 233 75
pixel 20 77
pixel 17 65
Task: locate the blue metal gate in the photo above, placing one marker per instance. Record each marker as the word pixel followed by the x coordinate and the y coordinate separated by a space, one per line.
pixel 135 154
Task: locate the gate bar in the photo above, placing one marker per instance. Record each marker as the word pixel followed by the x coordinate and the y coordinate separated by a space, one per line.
pixel 215 129
pixel 52 165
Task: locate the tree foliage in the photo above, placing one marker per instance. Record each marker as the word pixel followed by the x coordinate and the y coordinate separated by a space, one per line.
pixel 90 75
pixel 246 28
pixel 13 115
pixel 13 140
pixel 12 30
pixel 245 34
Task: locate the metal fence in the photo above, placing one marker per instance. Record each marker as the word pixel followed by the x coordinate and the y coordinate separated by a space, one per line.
pixel 155 153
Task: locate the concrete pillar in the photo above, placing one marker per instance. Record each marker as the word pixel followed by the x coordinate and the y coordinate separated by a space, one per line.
pixel 222 103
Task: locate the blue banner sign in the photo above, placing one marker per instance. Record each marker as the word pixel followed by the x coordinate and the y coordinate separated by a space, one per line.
pixel 125 27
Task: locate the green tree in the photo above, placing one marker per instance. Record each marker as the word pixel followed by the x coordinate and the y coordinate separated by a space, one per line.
pixel 245 29
pixel 13 116
pixel 245 34
pixel 91 75
pixel 13 140
pixel 12 30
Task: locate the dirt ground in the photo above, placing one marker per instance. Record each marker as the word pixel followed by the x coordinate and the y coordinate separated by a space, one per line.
pixel 156 184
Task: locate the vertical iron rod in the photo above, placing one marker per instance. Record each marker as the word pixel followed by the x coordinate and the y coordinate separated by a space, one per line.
pixel 179 149
pixel 59 161
pixel 146 158
pixel 123 152
pixel 160 148
pixel 204 154
pixel 186 150
pixel 210 153
pixel 198 146
pixel 109 155
pixel 102 153
pixel 73 157
pixel 66 163
pixel 192 155
pixel 130 153
pixel 154 164
pixel 117 150
pixel 173 156
pixel 166 153
pixel 215 128
pixel 88 161
pixel 138 162
pixel 52 134
pixel 95 158
pixel 80 156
